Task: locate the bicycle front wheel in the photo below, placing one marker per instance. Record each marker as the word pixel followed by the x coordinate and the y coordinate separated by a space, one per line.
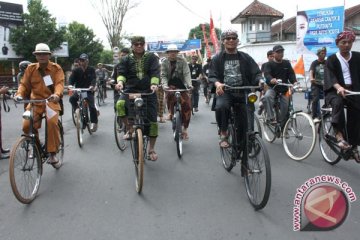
pixel 119 132
pixel 61 150
pixel 25 169
pixel 79 127
pixel 326 132
pixel 258 173
pixel 138 158
pixel 228 154
pixel 178 137
pixel 99 95
pixel 299 136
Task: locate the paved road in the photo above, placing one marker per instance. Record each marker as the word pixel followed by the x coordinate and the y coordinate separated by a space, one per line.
pixel 93 195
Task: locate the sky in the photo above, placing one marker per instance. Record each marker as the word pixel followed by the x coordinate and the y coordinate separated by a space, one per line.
pixel 172 19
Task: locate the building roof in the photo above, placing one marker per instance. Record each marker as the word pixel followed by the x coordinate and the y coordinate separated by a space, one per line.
pixel 289 25
pixel 256 9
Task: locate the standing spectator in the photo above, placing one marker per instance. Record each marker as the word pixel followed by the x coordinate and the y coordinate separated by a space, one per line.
pixel 43 80
pixel 4 152
pixel 85 77
pixel 317 82
pixel 196 74
pixel 342 73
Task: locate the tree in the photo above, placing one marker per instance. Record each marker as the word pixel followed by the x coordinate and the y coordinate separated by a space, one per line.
pixel 198 33
pixel 81 39
pixel 39 27
pixel 112 13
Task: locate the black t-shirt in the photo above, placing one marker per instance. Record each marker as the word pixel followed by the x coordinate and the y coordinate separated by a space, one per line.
pixel 232 74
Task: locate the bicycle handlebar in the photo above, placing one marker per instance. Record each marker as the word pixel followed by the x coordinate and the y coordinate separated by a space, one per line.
pixel 177 90
pixel 242 87
pixel 349 93
pixel 21 100
pixel 81 89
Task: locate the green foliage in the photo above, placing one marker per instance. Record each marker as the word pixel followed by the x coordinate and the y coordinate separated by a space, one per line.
pixel 197 31
pixel 81 39
pixel 106 57
pixel 39 27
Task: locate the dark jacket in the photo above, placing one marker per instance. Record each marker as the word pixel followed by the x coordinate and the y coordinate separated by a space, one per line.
pixel 83 79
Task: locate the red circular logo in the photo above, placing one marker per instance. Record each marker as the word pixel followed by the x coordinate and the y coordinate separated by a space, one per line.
pixel 326 207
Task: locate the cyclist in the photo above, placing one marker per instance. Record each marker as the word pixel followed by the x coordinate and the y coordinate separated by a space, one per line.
pixel 274 71
pixel 139 72
pixel 101 76
pixel 175 74
pixel 234 68
pixel 22 67
pixel 196 73
pixel 42 80
pixel 317 82
pixel 85 77
pixel 205 80
pixel 270 57
pixel 342 72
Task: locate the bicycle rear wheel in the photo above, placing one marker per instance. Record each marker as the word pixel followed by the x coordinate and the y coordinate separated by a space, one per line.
pixel 178 137
pixel 228 154
pixel 269 130
pixel 138 158
pixel 299 136
pixel 25 169
pixel 73 116
pixel 119 132
pixel 326 132
pixel 258 174
pixel 61 150
pixel 79 127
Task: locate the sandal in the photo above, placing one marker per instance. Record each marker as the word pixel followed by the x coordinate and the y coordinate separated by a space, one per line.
pixel 343 145
pixel 185 136
pixel 153 156
pixel 55 162
pixel 224 143
pixel 128 136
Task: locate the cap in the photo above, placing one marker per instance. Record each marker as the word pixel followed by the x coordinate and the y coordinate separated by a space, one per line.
pixel 323 49
pixel 172 48
pixel 136 39
pixel 278 48
pixel 84 56
pixel 41 48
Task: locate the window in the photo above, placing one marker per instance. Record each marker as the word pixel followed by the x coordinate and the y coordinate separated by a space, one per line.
pixel 252 25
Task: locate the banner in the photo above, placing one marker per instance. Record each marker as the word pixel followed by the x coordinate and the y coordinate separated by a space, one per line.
pixel 213 35
pixel 318 28
pixel 207 47
pixel 183 46
pixel 299 67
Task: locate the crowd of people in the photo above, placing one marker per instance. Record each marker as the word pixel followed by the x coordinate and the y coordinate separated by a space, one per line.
pixel 142 71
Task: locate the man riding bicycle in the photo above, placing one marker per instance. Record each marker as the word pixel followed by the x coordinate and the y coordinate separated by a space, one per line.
pixel 278 69
pixel 138 72
pixel 233 68
pixel 175 74
pixel 101 76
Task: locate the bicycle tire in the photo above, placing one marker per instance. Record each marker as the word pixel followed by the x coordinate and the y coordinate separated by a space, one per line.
pixel 25 169
pixel 257 125
pixel 103 94
pixel 119 132
pixel 328 152
pixel 299 136
pixel 79 127
pixel 138 157
pixel 99 95
pixel 61 150
pixel 73 116
pixel 87 119
pixel 269 130
pixel 228 154
pixel 258 165
pixel 178 137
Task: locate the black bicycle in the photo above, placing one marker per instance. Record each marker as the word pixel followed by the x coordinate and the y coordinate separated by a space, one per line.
pixel 248 149
pixel 139 141
pixel 328 143
pixel 101 91
pixel 177 120
pixel 82 113
pixel 28 155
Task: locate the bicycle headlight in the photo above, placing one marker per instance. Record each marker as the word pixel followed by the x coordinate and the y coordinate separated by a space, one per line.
pixel 27 115
pixel 138 102
pixel 252 97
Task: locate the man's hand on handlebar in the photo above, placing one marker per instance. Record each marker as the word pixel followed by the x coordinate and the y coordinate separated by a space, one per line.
pixel 153 87
pixel 54 98
pixel 119 86
pixel 219 88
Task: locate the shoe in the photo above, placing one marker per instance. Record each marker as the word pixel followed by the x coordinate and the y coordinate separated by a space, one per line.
pixel 4 156
pixel 316 120
pixel 93 127
pixel 196 109
pixel 356 155
pixel 5 150
pixel 54 161
pixel 343 145
pixel 153 156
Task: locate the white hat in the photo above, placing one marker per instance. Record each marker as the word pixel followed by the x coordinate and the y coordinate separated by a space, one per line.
pixel 172 47
pixel 42 48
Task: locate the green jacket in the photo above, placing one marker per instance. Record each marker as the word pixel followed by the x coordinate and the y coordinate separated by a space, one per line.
pixel 182 71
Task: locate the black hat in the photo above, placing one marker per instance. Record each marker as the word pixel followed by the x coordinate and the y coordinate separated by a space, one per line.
pixel 84 56
pixel 278 48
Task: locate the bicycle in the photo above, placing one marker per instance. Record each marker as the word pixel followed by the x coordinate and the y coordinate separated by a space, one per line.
pixel 177 120
pixel 329 149
pixel 249 149
pixel 138 141
pixel 81 114
pixel 196 87
pixel 27 157
pixel 101 91
pixel 298 133
pixel 119 132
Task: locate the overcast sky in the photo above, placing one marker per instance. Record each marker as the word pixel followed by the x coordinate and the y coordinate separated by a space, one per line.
pixel 172 19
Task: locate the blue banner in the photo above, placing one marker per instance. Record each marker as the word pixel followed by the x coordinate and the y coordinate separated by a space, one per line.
pixel 318 28
pixel 183 46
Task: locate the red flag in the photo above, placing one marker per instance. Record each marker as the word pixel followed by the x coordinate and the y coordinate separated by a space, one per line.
pixel 208 51
pixel 213 35
pixel 299 67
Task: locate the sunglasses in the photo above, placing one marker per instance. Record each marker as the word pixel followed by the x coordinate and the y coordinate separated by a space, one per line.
pixel 139 44
pixel 231 38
